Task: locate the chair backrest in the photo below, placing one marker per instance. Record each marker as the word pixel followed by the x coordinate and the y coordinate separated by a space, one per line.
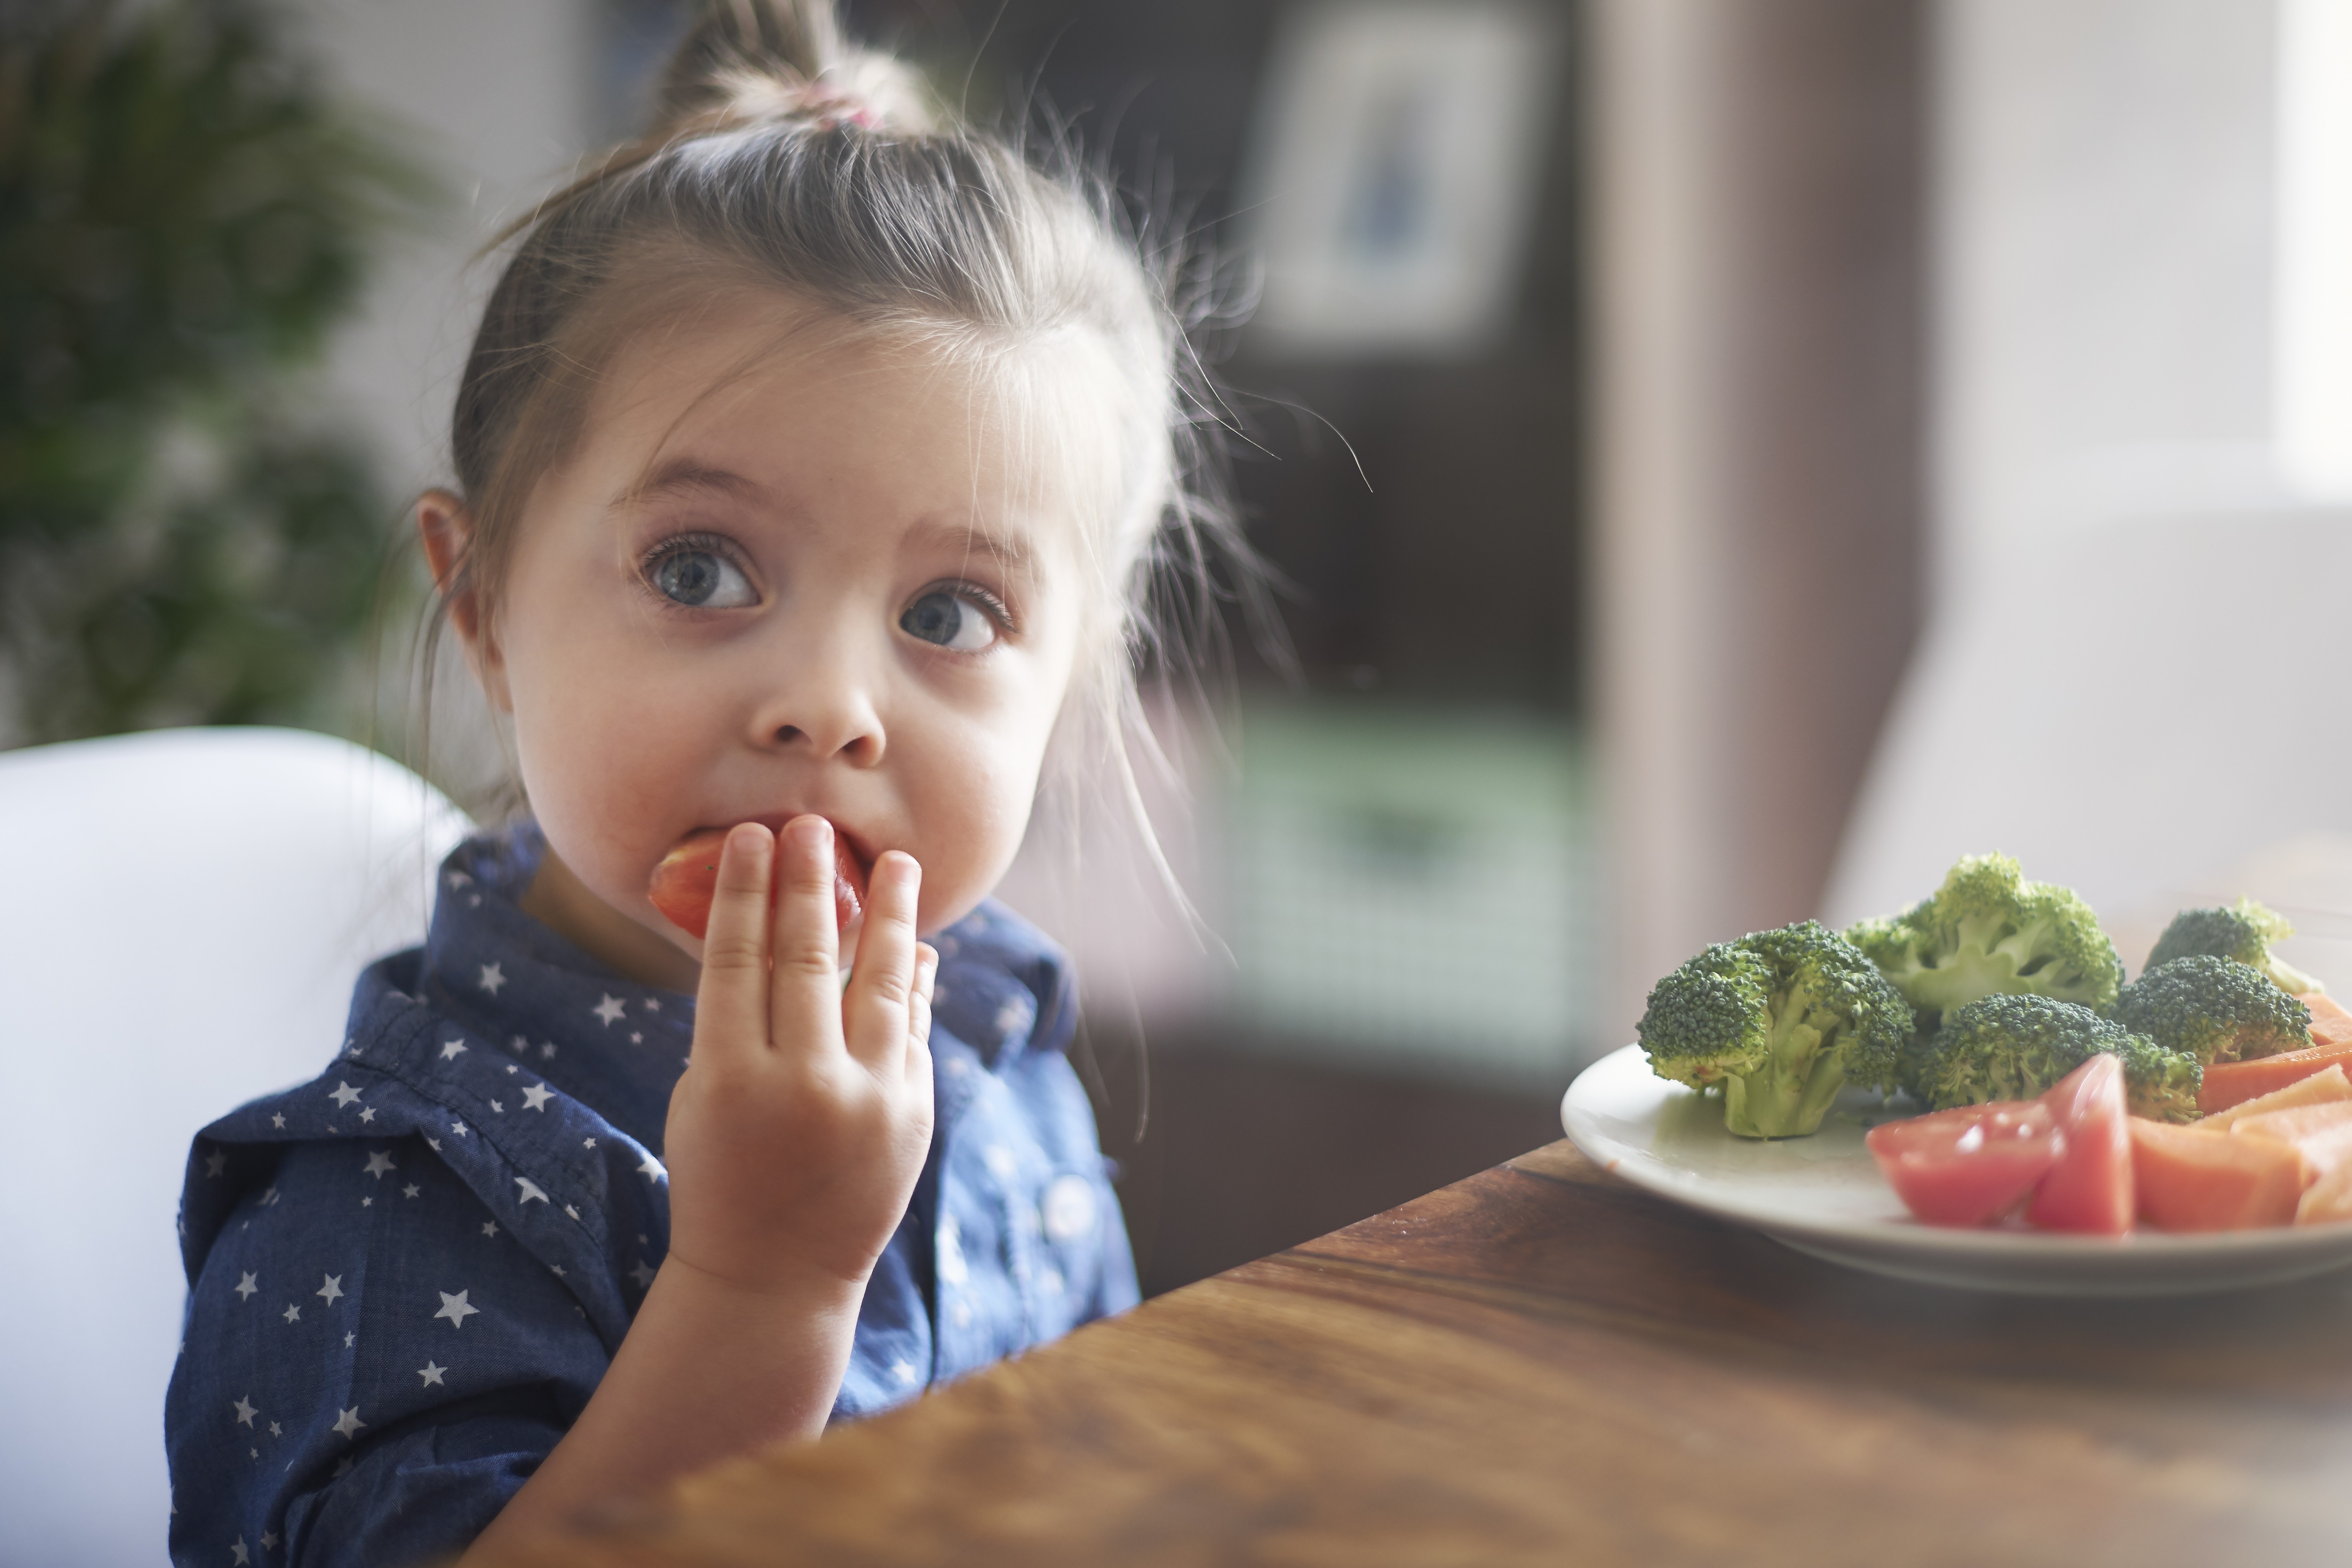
pixel 182 916
pixel 2132 709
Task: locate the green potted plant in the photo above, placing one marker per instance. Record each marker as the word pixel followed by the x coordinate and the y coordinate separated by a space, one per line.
pixel 184 215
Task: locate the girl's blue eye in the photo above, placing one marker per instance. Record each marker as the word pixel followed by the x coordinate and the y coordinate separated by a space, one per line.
pixel 949 621
pixel 702 580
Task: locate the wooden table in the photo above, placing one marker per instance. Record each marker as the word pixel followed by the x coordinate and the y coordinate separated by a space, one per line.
pixel 1543 1364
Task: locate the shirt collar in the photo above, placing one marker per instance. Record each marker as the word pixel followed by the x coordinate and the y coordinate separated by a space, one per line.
pixel 611 1042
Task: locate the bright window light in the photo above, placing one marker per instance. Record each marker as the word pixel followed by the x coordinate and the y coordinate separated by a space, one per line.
pixel 2313 412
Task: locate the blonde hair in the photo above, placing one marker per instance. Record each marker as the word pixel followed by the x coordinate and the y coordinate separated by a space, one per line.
pixel 784 158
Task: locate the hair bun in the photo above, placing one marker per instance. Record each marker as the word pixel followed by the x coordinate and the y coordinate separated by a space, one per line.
pixel 782 62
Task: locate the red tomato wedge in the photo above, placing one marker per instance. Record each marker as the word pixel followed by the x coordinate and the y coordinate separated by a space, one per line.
pixel 2089 1190
pixel 1969 1165
pixel 688 876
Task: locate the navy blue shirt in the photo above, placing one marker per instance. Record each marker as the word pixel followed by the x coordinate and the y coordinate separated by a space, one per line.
pixel 407 1276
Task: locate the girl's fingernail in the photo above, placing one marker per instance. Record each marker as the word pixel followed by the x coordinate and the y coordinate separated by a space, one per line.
pixel 746 839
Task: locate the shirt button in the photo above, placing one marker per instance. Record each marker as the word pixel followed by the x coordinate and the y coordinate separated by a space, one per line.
pixel 1069 1208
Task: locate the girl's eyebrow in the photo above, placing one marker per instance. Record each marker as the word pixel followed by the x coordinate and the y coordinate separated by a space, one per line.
pixel 1008 551
pixel 686 474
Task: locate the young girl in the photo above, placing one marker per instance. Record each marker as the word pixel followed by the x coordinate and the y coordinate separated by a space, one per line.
pixel 810 460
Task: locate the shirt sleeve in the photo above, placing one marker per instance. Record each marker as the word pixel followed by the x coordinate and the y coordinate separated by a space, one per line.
pixel 373 1366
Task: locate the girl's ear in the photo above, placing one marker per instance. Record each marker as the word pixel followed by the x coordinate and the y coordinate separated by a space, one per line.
pixel 447 529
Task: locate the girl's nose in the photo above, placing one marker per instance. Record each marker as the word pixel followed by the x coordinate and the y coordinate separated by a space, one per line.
pixel 824 703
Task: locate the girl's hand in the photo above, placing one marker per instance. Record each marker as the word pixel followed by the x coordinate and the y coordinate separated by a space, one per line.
pixel 795 1135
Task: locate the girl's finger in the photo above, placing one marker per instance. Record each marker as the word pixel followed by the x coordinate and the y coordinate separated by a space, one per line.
pixel 874 1013
pixel 804 989
pixel 918 1008
pixel 731 1008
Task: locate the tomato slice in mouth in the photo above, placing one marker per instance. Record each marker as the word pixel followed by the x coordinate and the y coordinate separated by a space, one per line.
pixel 688 878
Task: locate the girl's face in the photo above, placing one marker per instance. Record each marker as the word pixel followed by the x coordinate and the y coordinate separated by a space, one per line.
pixel 827 584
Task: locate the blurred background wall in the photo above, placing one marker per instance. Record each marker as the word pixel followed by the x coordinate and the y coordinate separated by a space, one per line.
pixel 1639 390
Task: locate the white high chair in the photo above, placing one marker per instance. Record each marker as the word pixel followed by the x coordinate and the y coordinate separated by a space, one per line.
pixel 182 916
pixel 2156 712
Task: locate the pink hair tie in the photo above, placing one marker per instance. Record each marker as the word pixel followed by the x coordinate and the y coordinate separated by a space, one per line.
pixel 828 107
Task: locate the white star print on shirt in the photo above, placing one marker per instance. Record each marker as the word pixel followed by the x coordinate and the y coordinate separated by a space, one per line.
pixel 497 1109
pixel 378 1164
pixel 904 1370
pixel 489 1227
pixel 349 1423
pixel 246 1410
pixel 245 1288
pixel 610 1008
pixel 411 1190
pixel 455 1309
pixel 431 1374
pixel 214 1164
pixel 293 1314
pixel 343 1093
pixel 531 1190
pixel 642 1275
pixel 367 1113
pixel 278 1121
pixel 332 1289
pixel 269 1541
pixel 652 1169
pixel 492 978
pixel 459 1128
pixel 452 1050
pixel 536 1096
pixel 237 1546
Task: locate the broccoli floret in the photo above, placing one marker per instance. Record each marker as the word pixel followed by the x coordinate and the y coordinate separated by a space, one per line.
pixel 2013 1047
pixel 2244 933
pixel 1988 931
pixel 2215 1009
pixel 1779 1021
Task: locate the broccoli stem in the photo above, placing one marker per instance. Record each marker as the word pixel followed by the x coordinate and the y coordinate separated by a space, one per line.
pixel 1787 1097
pixel 1985 965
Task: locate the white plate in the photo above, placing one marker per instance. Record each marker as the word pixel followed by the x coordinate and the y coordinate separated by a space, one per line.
pixel 1823 1195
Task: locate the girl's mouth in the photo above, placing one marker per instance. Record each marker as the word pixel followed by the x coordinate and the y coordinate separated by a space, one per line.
pixel 685 881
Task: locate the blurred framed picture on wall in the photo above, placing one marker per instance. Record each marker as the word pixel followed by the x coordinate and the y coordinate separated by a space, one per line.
pixel 1392 174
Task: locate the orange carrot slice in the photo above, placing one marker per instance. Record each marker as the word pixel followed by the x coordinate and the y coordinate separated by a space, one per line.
pixel 2328 1198
pixel 2331 1025
pixel 2234 1083
pixel 2321 1136
pixel 2194 1179
pixel 2319 1088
